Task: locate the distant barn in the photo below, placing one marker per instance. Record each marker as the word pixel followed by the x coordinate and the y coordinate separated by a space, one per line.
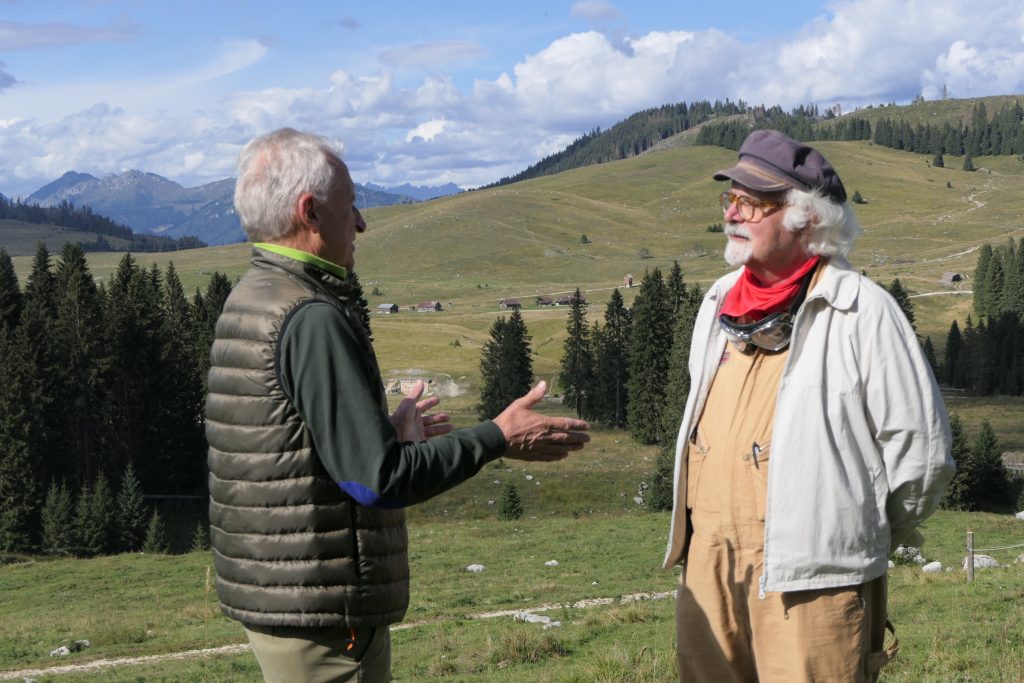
pixel 569 300
pixel 387 309
pixel 545 301
pixel 428 306
pixel 512 304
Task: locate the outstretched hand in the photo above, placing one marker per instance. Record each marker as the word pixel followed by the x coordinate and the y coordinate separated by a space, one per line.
pixel 410 421
pixel 532 436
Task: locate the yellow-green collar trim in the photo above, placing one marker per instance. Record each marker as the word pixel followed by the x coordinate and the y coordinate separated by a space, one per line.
pixel 305 257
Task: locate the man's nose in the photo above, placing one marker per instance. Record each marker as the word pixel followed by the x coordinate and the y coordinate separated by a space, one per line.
pixel 360 221
pixel 732 214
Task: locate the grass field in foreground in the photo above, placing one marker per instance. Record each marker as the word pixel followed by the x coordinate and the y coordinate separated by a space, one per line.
pixel 579 512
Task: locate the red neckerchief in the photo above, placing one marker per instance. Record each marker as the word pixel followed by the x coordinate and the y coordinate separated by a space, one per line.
pixel 750 297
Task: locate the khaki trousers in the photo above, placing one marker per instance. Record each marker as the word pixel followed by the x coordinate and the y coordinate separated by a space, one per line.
pixel 726 632
pixel 321 655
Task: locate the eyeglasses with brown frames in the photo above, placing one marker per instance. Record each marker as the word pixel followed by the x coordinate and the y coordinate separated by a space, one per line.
pixel 751 210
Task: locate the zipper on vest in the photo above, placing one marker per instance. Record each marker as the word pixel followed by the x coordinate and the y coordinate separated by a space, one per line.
pixel 355 537
pixel 760 586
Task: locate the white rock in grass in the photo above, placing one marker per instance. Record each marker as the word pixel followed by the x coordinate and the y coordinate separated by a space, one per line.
pixel 1020 516
pixel 932 567
pixel 638 500
pixel 551 563
pixel 61 651
pixel 892 565
pixel 981 562
pixel 1020 558
pixel 529 477
pixel 475 568
pixel 530 618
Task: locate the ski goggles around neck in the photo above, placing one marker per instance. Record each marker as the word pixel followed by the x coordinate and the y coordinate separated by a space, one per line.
pixel 771 333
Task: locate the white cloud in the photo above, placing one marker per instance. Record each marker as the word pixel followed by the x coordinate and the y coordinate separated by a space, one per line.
pixel 235 56
pixel 596 10
pixel 431 54
pixel 16 35
pixel 426 131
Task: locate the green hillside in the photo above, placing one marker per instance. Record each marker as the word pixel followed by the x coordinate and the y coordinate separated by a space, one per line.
pixel 473 249
pixel 19 238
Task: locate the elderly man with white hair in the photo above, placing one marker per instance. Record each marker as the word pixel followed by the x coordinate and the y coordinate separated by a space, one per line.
pixel 813 442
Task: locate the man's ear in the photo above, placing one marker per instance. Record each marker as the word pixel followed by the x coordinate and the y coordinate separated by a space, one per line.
pixel 306 211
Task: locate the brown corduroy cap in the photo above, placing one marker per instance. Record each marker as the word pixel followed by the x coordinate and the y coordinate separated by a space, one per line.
pixel 770 162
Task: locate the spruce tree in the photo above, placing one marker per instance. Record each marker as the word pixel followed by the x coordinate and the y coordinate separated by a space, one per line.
pixel 156 536
pixel 98 535
pixel 938 161
pixel 902 298
pixel 968 163
pixel 178 427
pixel 78 336
pixel 83 525
pixel 200 539
pixel 611 371
pixel 577 375
pixel 131 512
pixel 658 497
pixel 19 465
pixel 677 389
pixel 58 520
pixel 506 367
pixel 929 353
pixel 510 507
pixel 992 487
pixel 952 368
pixel 10 292
pixel 649 352
pixel 982 297
pixel 675 292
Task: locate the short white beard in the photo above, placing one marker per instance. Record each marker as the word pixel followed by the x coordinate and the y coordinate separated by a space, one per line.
pixel 737 252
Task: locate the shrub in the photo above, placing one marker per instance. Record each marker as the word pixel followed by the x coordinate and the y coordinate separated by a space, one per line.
pixel 510 508
pixel 156 536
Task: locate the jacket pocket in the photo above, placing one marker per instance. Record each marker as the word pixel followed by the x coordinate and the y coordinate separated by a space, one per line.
pixel 757 461
pixel 695 461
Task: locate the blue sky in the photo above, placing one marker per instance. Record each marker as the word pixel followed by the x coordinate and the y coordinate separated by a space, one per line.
pixel 432 92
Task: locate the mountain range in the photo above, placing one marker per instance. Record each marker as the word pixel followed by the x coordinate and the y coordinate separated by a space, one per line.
pixel 150 203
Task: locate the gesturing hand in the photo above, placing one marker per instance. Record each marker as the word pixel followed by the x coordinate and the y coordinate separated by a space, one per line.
pixel 409 419
pixel 532 436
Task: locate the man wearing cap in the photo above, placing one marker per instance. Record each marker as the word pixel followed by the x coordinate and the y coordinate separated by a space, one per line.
pixel 814 439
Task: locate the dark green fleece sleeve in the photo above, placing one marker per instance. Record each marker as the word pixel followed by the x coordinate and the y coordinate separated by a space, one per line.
pixel 324 372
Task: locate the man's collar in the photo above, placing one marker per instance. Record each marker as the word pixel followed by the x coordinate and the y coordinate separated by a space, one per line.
pixel 836 271
pixel 305 257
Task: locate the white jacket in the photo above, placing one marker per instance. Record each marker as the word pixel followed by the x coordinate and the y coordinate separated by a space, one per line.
pixel 860 443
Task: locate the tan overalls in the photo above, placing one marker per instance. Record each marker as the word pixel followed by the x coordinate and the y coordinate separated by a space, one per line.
pixel 725 630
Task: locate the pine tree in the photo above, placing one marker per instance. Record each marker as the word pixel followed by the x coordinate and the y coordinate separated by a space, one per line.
pixel 510 507
pixel 902 298
pixel 506 367
pixel 929 353
pixel 677 389
pixel 58 519
pixel 992 488
pixel 659 496
pixel 200 539
pixel 362 307
pixel 156 536
pixel 178 427
pixel 938 161
pixel 206 309
pixel 675 292
pixel 131 512
pixel 611 358
pixel 19 471
pixel 649 353
pixel 10 292
pixel 78 338
pixel 952 371
pixel 98 535
pixel 968 163
pixel 577 375
pixel 982 297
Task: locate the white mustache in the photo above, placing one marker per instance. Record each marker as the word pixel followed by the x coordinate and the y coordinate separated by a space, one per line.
pixel 733 230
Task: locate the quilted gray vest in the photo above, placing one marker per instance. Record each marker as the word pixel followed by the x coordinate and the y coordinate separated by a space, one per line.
pixel 290 547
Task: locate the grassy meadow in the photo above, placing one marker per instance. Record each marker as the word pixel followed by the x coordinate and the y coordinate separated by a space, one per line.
pixel 471 250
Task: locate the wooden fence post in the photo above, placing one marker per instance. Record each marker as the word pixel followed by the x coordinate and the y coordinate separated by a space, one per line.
pixel 970 556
